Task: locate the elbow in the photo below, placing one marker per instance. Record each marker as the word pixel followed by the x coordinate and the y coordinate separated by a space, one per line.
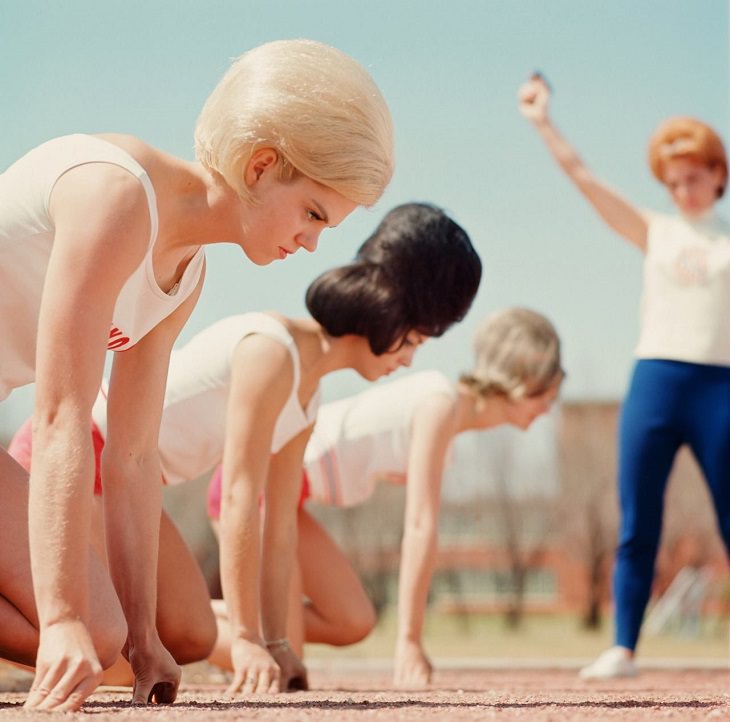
pixel 51 421
pixel 59 436
pixel 282 538
pixel 119 469
pixel 422 533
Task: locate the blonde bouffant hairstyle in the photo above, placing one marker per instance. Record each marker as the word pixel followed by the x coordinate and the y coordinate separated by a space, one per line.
pixel 683 137
pixel 517 355
pixel 316 106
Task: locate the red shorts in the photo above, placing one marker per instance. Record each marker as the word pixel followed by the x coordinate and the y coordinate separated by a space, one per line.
pixel 215 486
pixel 21 447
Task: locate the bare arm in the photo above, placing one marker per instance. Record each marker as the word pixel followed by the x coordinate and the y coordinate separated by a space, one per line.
pixel 102 230
pixel 616 211
pixel 133 498
pixel 434 426
pixel 262 377
pixel 279 553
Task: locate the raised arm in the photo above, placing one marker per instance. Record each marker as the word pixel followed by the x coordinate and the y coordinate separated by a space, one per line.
pixel 133 499
pixel 262 376
pixel 616 211
pixel 434 426
pixel 102 231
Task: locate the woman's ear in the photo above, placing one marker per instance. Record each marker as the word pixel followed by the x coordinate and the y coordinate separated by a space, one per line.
pixel 261 161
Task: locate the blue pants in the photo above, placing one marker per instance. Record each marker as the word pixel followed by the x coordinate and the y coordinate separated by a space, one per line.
pixel 669 403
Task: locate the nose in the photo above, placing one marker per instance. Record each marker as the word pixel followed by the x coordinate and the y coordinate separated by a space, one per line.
pixel 406 357
pixel 308 241
pixel 547 406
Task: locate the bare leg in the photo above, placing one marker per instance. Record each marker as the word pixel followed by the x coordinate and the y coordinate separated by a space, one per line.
pixel 18 616
pixel 295 618
pixel 338 610
pixel 19 636
pixel 328 600
pixel 221 655
pixel 185 620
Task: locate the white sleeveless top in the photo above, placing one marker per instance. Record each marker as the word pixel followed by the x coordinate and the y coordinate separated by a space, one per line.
pixel 26 240
pixel 685 307
pixel 192 432
pixel 365 438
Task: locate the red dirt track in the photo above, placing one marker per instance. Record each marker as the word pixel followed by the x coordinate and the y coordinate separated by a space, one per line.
pixel 455 696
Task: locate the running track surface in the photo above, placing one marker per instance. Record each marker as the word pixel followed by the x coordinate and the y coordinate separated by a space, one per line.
pixel 347 693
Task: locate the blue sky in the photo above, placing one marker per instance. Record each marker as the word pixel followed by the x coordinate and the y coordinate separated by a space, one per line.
pixel 450 73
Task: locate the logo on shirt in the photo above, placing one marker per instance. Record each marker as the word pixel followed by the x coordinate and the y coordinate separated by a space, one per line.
pixel 691 267
pixel 116 339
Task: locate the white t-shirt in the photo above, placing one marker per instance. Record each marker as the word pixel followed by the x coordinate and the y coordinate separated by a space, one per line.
pixel 26 240
pixel 362 439
pixel 192 431
pixel 685 307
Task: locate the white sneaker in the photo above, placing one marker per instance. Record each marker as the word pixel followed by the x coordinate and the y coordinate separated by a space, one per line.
pixel 614 662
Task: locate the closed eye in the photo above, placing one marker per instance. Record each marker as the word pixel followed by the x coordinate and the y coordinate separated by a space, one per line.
pixel 413 340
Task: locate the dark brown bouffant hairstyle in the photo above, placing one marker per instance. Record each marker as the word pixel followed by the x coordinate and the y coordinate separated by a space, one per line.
pixel 417 271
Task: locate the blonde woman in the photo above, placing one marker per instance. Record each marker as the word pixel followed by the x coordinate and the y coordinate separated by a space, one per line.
pixel 101 247
pixel 680 387
pixel 402 431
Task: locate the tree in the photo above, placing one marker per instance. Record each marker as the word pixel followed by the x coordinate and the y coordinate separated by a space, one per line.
pixel 524 518
pixel 586 511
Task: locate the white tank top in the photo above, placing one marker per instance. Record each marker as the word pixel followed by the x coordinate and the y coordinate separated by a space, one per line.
pixel 685 307
pixel 192 432
pixel 26 240
pixel 365 438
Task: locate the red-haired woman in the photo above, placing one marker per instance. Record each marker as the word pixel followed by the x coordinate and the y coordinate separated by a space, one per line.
pixel 680 388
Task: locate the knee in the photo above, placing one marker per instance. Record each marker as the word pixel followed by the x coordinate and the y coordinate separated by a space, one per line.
pixel 364 624
pixel 639 537
pixel 192 641
pixel 357 623
pixel 636 550
pixel 109 643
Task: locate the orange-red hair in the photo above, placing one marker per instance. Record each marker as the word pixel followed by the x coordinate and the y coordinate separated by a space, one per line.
pixel 683 137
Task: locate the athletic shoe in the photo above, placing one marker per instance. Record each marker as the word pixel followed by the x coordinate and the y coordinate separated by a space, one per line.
pixel 612 663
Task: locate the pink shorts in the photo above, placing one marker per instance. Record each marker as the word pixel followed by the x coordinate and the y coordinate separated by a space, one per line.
pixel 215 486
pixel 21 447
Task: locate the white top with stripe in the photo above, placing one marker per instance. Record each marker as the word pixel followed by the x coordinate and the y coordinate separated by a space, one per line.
pixel 26 240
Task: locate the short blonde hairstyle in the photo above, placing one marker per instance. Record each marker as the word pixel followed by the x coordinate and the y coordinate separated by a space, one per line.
pixel 313 104
pixel 683 137
pixel 517 355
